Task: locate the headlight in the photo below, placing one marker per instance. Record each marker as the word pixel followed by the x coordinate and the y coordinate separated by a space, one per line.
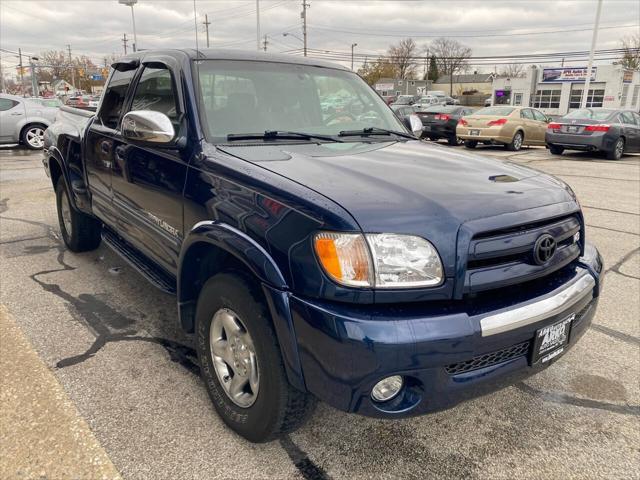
pixel 390 261
pixel 404 261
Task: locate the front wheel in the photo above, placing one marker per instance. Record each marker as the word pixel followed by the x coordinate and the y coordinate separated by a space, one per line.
pixel 32 136
pixel 241 363
pixel 555 150
pixel 80 232
pixel 470 143
pixel 516 143
pixel 618 150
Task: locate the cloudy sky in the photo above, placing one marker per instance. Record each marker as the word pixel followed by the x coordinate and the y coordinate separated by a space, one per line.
pixel 95 28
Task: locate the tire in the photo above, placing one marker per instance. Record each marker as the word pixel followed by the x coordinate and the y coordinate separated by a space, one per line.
pixel 32 136
pixel 617 151
pixel 556 150
pixel 80 231
pixel 516 142
pixel 275 408
pixel 454 141
pixel 470 143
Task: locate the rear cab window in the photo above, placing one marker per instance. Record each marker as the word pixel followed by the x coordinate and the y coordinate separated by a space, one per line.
pixel 114 97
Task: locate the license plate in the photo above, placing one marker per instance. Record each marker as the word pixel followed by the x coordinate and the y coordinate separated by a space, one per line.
pixel 572 129
pixel 474 132
pixel 551 341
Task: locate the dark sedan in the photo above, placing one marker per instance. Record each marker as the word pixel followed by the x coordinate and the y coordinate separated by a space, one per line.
pixel 614 132
pixel 440 121
pixel 403 111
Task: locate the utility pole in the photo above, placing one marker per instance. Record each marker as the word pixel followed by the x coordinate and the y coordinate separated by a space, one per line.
pixel 206 25
pixel 2 90
pixel 587 81
pixel 24 93
pixel 73 70
pixel 264 43
pixel 124 42
pixel 35 91
pixel 303 15
pixel 258 23
pixel 353 45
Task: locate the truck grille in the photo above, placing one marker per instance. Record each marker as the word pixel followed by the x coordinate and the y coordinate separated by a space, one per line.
pixel 505 257
pixel 488 359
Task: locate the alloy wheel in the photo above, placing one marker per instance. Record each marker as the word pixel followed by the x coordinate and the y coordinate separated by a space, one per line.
pixel 35 137
pixel 234 357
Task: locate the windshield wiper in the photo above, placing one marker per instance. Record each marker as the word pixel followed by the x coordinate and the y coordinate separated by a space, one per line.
pixel 281 135
pixel 365 132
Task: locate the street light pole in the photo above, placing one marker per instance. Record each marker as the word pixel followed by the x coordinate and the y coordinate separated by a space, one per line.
pixel 304 24
pixel 258 23
pixel 131 3
pixel 587 81
pixel 352 47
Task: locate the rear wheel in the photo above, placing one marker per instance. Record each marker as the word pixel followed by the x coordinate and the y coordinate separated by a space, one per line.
pixel 618 150
pixel 80 231
pixel 556 150
pixel 516 143
pixel 241 364
pixel 470 143
pixel 32 136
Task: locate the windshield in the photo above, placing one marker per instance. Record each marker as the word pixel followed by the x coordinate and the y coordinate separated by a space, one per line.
pixel 238 97
pixel 404 99
pixel 589 113
pixel 494 111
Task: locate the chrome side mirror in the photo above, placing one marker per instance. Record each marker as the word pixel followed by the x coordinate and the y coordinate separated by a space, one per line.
pixel 147 126
pixel 414 124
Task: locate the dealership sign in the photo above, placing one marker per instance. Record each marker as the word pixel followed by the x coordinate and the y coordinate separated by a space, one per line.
pixel 567 74
pixel 384 86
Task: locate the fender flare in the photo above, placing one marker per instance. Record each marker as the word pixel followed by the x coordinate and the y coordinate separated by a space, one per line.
pixel 238 244
pixel 53 154
pixel 261 264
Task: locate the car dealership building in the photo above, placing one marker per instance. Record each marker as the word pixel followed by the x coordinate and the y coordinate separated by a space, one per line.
pixel 558 90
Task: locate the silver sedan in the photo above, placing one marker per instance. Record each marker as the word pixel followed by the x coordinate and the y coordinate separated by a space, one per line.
pixel 24 120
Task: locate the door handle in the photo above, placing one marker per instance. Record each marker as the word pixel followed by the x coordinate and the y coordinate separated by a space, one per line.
pixel 16 114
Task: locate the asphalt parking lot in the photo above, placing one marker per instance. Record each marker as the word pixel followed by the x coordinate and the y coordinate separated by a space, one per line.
pixel 112 344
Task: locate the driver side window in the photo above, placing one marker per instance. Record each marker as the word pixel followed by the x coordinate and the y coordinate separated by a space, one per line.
pixel 156 91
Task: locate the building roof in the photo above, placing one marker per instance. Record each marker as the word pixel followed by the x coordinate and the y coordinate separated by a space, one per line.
pixel 59 81
pixel 468 78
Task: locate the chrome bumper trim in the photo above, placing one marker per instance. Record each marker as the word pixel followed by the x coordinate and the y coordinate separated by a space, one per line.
pixel 533 312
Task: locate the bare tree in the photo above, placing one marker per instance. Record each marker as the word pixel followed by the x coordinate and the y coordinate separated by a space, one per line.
pixel 451 57
pixel 631 51
pixel 402 56
pixel 513 70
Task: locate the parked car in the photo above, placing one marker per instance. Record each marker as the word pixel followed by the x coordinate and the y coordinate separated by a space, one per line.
pixel 24 120
pixel 405 100
pixel 441 121
pixel 404 112
pixel 389 99
pixel 320 258
pixel 512 127
pixel 48 102
pixel 80 101
pixel 94 100
pixel 613 132
pixel 451 101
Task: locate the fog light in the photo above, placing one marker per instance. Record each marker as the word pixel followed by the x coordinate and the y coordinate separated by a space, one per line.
pixel 387 388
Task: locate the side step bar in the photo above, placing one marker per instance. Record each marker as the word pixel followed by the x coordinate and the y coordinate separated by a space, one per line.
pixel 156 275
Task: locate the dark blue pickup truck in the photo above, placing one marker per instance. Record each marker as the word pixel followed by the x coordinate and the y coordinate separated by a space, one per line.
pixel 320 253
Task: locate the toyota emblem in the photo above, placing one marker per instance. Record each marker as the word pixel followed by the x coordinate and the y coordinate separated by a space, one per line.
pixel 544 249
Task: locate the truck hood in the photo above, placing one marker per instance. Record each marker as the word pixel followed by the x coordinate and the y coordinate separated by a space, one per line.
pixel 407 187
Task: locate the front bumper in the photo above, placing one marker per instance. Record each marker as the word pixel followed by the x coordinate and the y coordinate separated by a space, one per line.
pixel 345 350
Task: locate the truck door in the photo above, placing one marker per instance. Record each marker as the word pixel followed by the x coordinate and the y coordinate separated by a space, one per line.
pixel 148 180
pixel 102 138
